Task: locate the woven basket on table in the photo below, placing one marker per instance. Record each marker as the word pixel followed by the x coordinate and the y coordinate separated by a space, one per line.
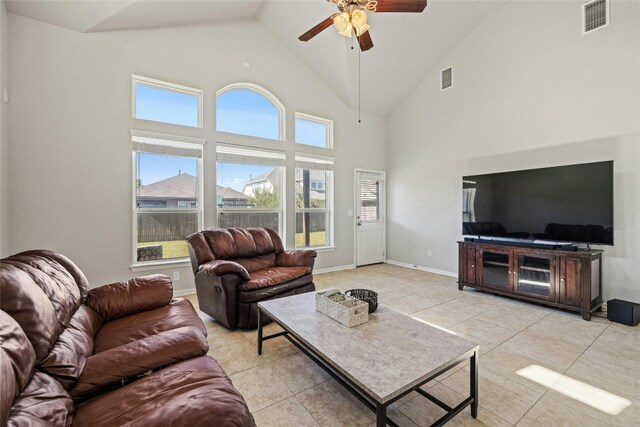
pixel 365 295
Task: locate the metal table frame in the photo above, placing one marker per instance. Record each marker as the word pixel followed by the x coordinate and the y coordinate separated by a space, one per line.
pixel 381 408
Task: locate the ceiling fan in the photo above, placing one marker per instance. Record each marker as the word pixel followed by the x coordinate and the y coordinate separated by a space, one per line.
pixel 353 17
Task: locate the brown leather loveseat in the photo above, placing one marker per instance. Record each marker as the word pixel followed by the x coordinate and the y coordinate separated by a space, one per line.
pixel 236 268
pixel 124 353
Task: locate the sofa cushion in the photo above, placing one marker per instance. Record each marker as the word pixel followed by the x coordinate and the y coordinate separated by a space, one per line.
pixel 257 263
pixel 175 315
pixel 43 402
pixel 122 299
pixel 17 360
pixel 110 368
pixel 190 393
pixel 273 276
pixel 41 291
pixel 282 289
pixel 67 358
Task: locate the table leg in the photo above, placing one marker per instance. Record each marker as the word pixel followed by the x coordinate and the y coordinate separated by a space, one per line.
pixel 474 384
pixel 259 331
pixel 381 416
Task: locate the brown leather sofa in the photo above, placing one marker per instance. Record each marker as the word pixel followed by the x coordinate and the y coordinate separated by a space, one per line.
pixel 235 268
pixel 124 353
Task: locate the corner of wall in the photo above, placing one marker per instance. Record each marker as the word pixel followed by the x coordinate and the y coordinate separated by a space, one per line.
pixel 4 132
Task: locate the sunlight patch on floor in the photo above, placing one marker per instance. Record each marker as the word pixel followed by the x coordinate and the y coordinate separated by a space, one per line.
pixel 595 397
pixel 434 325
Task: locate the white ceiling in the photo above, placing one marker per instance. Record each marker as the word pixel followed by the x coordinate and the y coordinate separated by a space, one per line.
pixel 407 46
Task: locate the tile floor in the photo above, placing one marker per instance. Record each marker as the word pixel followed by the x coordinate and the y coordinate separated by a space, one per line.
pixel 538 366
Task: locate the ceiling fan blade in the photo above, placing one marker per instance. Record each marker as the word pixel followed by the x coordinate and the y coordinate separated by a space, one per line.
pixel 415 6
pixel 365 42
pixel 317 29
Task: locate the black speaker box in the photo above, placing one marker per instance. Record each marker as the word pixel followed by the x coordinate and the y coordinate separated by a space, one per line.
pixel 623 311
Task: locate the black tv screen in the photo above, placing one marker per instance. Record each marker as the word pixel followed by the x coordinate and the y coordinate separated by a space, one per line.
pixel 571 203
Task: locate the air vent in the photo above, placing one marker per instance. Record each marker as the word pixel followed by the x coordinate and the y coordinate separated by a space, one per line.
pixel 446 79
pixel 595 15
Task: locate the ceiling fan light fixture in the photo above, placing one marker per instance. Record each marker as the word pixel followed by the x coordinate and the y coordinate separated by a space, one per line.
pixel 347 32
pixel 359 18
pixel 362 29
pixel 341 22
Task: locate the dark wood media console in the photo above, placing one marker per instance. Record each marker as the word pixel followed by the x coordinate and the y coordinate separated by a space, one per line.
pixel 571 280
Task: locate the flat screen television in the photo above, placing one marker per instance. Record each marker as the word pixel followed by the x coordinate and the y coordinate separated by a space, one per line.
pixel 563 204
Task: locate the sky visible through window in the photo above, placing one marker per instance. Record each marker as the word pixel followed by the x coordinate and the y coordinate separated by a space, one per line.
pixel 156 167
pixel 234 175
pixel 310 132
pixel 166 106
pixel 246 112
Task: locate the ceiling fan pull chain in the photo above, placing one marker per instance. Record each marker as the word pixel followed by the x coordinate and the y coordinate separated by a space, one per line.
pixel 359 84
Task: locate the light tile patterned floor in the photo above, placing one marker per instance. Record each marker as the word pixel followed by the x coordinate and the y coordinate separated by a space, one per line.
pixel 538 366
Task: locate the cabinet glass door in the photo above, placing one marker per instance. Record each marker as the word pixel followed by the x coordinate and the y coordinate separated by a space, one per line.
pixel 533 276
pixel 495 270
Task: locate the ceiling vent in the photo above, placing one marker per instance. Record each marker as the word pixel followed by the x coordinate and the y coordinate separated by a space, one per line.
pixel 595 15
pixel 446 78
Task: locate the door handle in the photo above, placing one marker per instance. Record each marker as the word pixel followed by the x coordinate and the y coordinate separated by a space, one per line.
pixel 359 223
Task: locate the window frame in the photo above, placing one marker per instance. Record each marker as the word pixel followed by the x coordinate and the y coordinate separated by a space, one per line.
pixel 282 114
pixel 329 207
pixel 281 210
pixel 322 120
pixel 171 87
pixel 199 210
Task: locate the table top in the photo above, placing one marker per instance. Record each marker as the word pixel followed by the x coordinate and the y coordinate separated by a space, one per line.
pixel 386 356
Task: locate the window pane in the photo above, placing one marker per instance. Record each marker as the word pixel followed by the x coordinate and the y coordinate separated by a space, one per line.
pixel 167 106
pixel 311 188
pixel 310 132
pixel 369 200
pixel 249 219
pixel 166 181
pixel 246 112
pixel 161 235
pixel 248 186
pixel 311 229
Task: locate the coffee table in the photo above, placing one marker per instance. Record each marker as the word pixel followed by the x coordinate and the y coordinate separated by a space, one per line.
pixel 379 361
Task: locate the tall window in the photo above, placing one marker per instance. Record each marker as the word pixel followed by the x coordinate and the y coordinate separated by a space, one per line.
pixel 314 131
pixel 251 110
pixel 250 187
pixel 166 102
pixel 167 195
pixel 314 198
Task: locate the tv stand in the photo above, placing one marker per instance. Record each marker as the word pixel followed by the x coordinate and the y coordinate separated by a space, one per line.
pixel 567 279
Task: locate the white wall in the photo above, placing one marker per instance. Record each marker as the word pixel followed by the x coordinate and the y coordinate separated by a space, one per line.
pixel 529 91
pixel 4 132
pixel 71 115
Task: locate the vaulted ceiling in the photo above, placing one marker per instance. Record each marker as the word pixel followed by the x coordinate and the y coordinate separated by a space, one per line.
pixel 407 46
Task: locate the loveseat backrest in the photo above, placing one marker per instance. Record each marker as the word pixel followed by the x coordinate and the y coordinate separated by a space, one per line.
pixel 233 244
pixel 41 290
pixel 17 361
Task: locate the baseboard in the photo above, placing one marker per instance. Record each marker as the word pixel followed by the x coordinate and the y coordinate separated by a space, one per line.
pixel 182 292
pixel 423 268
pixel 332 269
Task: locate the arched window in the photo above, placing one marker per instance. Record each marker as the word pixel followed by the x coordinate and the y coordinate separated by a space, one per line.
pixel 248 109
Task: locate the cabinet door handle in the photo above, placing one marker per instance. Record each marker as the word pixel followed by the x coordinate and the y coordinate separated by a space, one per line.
pixel 562 279
pixel 473 266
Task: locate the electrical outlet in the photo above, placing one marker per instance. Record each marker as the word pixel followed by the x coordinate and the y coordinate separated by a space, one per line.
pixel 429 252
pixel 176 275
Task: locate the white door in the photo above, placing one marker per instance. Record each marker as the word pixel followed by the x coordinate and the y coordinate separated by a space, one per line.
pixel 370 223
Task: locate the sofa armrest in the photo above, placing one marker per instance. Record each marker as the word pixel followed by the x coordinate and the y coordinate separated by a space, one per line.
pixel 112 367
pixel 299 258
pixel 220 267
pixel 133 296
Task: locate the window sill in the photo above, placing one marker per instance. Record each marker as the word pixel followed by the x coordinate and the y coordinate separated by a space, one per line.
pixel 159 265
pixel 317 248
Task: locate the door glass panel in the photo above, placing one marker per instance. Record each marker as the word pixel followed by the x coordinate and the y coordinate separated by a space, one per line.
pixel 534 275
pixel 369 200
pixel 495 269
